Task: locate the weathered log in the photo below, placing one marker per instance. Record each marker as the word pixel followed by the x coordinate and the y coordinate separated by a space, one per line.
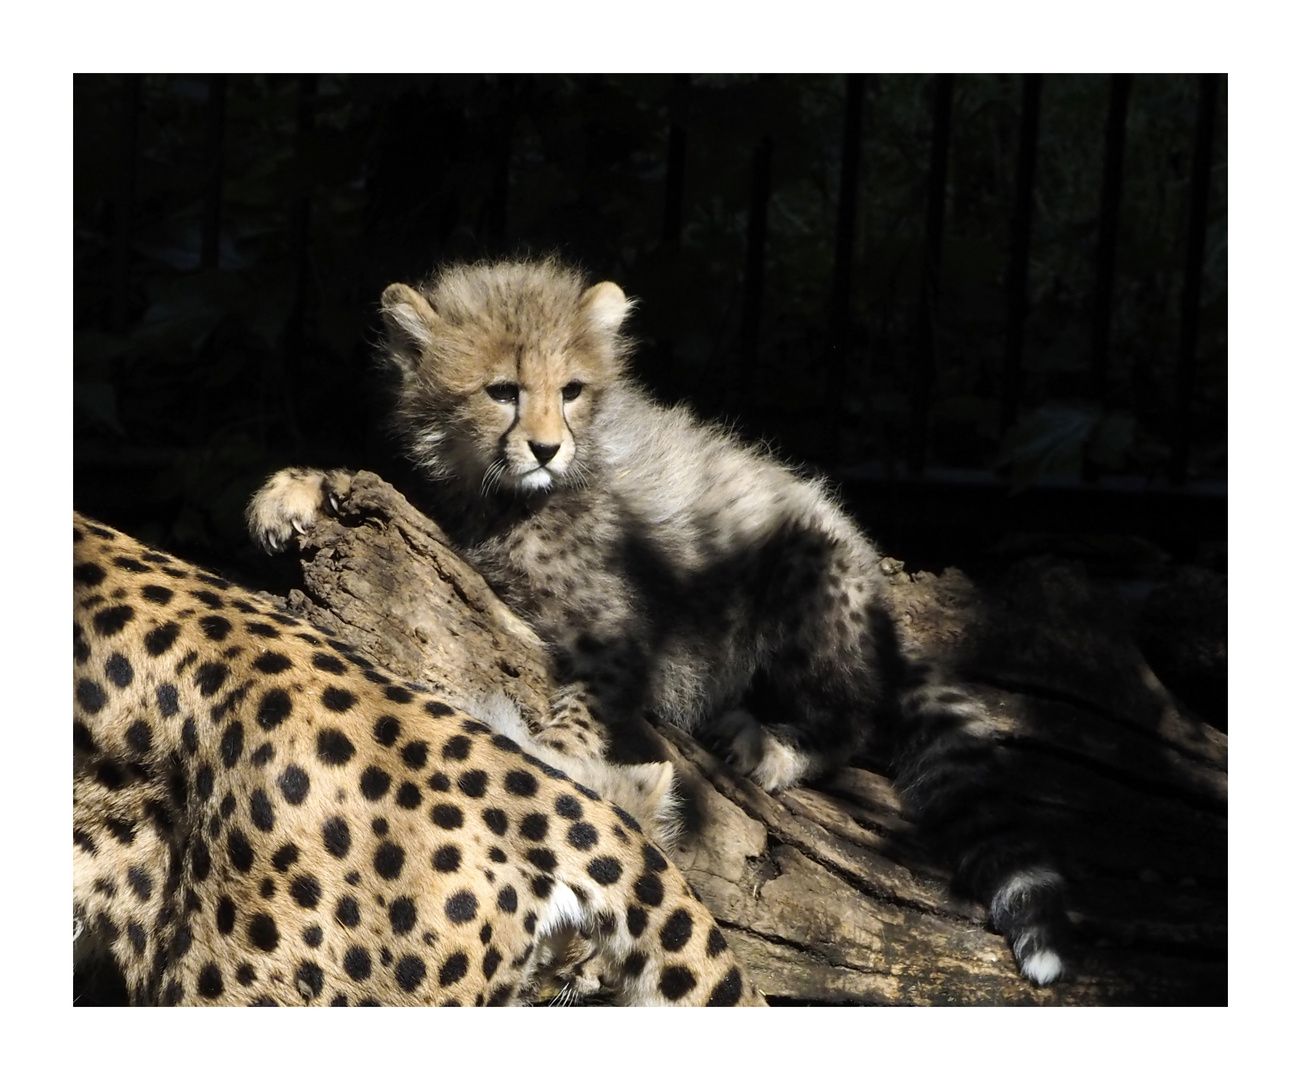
pixel 825 892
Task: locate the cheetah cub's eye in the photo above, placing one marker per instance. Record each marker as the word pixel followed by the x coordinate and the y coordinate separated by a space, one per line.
pixel 571 390
pixel 505 392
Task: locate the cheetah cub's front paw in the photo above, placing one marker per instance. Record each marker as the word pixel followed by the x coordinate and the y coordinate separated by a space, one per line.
pixel 289 503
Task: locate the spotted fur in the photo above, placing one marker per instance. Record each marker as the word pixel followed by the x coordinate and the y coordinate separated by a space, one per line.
pixel 261 817
pixel 671 566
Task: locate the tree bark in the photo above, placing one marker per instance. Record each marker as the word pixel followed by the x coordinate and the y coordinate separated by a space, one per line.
pixel 825 892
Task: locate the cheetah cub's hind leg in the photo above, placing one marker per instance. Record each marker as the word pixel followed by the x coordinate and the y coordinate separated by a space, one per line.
pixel 646 791
pixel 756 752
pixel 290 502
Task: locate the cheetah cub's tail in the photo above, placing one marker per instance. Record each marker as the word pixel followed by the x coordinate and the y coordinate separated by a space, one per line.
pixel 951 783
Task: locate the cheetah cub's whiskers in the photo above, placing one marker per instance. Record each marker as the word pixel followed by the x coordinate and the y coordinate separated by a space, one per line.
pixel 262 817
pixel 673 567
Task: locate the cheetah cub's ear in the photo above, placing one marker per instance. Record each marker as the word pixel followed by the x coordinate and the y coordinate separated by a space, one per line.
pixel 410 323
pixel 606 305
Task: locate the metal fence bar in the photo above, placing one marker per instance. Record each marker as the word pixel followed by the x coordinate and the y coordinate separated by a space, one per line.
pixel 756 240
pixel 843 264
pixel 213 154
pixel 923 372
pixel 676 167
pixel 1019 256
pixel 1190 305
pixel 124 201
pixel 1113 171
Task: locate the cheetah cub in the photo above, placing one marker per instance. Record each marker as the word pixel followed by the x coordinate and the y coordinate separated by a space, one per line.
pixel 671 566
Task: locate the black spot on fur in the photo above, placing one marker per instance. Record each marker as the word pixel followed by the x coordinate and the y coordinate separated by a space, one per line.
pixel 447 816
pixel 210 676
pixel 457 748
pixel 285 857
pixel 447 859
pixel 273 709
pixel 676 931
pixel 375 783
pixel 676 982
pixel 410 971
pixel 728 990
pixel 333 747
pixel 388 860
pixel 582 836
pixel 263 932
pixel 327 662
pixel 521 783
pixel 168 702
pixel 309 978
pixel 88 574
pixel 337 837
pixel 461 907
pixel 649 890
pixel 239 850
pixel 140 737
pixel 387 730
pixel 347 912
pixel 356 962
pixel 453 969
pixel 337 699
pixel 119 671
pixel 636 921
pixel 272 663
pixel 110 621
pixel 91 696
pixel 260 811
pixel 305 890
pixel 161 638
pixel 606 870
pixel 415 754
pixel 402 915
pixel 294 785
pixel 210 983
pixel 232 744
pixel 214 627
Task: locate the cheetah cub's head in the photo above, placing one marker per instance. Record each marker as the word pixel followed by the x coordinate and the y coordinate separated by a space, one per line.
pixel 502 368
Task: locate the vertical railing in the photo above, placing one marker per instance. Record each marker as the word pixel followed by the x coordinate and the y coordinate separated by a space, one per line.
pixel 676 166
pixel 213 155
pixel 1113 172
pixel 843 264
pixel 923 374
pixel 510 92
pixel 124 201
pixel 1190 303
pixel 1019 254
pixel 756 240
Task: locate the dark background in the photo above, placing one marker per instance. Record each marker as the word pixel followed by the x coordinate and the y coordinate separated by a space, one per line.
pixel 993 308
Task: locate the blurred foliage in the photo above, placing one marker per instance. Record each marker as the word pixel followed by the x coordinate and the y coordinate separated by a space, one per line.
pixel 194 378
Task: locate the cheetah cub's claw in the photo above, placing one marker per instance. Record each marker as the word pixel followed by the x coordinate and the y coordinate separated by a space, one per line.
pixel 290 502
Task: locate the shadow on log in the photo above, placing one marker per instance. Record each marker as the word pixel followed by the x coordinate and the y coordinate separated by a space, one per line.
pixel 827 894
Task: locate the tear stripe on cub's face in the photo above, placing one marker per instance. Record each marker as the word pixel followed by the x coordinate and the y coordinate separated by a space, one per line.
pixel 502 369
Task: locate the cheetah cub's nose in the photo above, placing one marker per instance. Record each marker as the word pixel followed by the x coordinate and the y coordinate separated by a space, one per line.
pixel 544 452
